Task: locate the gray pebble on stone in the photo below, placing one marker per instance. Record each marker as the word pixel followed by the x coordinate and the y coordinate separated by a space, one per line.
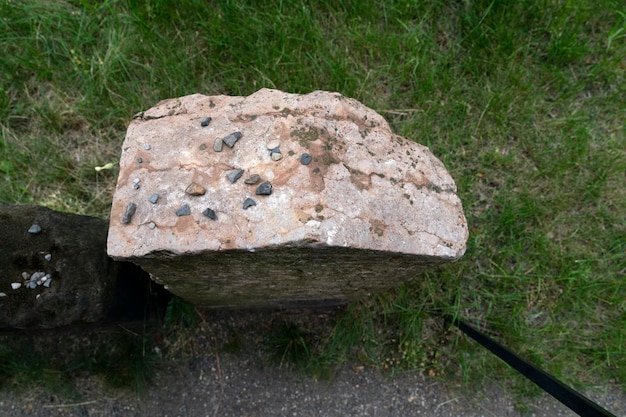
pixel 248 202
pixel 147 147
pixel 276 154
pixel 305 159
pixel 154 198
pixel 35 229
pixel 253 179
pixel 273 144
pixel 184 210
pixel 264 189
pixel 233 176
pixel 128 214
pixel 136 186
pixel 37 275
pixel 217 145
pixel 231 139
pixel 205 122
pixel 139 159
pixel 210 214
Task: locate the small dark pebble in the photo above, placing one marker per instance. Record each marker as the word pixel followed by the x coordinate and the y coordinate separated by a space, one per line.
pixel 210 214
pixel 248 202
pixel 253 179
pixel 205 122
pixel 233 176
pixel 184 210
pixel 202 147
pixel 264 189
pixel 231 139
pixel 305 158
pixel 136 186
pixel 35 229
pixel 128 214
pixel 154 198
pixel 139 159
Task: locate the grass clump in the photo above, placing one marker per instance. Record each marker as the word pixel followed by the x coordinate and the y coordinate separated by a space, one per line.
pixel 180 313
pixel 522 101
pixel 289 345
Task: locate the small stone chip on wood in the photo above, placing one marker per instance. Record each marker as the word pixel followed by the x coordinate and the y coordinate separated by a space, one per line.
pixel 350 209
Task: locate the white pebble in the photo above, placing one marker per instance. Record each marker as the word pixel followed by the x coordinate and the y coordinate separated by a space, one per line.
pixel 15 285
pixel 37 276
pixel 2 294
pixel 273 145
pixel 25 275
pixel 48 257
pixel 277 156
pixel 151 225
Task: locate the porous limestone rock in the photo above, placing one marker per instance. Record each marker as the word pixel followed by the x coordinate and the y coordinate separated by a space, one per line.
pixel 364 210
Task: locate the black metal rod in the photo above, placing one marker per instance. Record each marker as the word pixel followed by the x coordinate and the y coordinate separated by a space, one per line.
pixel 566 395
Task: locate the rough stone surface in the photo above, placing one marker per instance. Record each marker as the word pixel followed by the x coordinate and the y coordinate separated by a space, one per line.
pixel 72 250
pixel 370 210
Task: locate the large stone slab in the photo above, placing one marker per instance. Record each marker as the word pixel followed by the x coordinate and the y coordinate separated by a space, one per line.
pixel 353 208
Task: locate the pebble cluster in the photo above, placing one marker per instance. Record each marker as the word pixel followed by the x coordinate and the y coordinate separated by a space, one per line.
pixel 37 278
pixel 195 189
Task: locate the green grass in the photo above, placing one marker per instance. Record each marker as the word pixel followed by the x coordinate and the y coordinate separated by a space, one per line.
pixel 289 345
pixel 524 102
pixel 120 357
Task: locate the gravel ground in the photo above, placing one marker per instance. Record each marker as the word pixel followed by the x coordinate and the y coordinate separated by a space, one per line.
pixel 204 381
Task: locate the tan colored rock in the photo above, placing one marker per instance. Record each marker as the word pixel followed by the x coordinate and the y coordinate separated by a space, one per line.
pixel 370 210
